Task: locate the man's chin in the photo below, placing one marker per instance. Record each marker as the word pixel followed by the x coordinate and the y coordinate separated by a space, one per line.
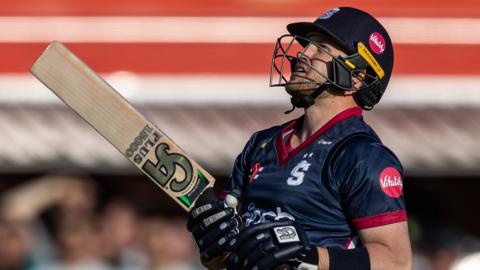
pixel 304 88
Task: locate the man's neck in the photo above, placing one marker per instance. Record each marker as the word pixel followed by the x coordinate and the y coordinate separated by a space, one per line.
pixel 318 115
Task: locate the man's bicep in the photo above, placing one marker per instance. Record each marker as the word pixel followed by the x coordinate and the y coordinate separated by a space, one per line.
pixel 395 234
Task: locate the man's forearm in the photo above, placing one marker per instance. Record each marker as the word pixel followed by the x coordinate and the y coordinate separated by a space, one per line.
pixel 382 257
pixel 323 259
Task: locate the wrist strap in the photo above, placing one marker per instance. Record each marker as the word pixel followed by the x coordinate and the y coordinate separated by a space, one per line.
pixel 343 259
pixel 312 256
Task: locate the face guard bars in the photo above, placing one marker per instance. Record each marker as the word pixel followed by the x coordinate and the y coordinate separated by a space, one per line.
pixel 342 71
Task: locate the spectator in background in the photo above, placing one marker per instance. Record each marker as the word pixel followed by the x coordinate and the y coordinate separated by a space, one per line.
pixel 77 246
pixel 69 238
pixel 439 245
pixel 120 244
pixel 52 223
pixel 168 246
pixel 14 247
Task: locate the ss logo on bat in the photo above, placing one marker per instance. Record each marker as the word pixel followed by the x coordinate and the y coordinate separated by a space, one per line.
pixel 164 170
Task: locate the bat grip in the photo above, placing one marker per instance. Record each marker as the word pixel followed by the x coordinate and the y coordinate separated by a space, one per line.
pixel 207 196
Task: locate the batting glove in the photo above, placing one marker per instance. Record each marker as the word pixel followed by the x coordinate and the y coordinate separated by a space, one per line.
pixel 273 244
pixel 213 225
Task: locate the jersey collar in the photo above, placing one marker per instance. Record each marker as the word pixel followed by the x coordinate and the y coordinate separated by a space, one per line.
pixel 285 153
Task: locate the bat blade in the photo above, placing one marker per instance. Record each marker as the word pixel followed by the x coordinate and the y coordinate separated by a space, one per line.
pixel 141 142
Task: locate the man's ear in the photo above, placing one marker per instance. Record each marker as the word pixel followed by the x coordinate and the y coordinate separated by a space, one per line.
pixel 357 83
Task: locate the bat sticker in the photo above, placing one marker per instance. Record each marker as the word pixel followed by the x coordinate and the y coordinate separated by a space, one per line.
pixel 164 170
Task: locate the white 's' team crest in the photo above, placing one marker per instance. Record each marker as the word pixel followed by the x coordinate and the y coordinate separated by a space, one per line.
pixel 298 173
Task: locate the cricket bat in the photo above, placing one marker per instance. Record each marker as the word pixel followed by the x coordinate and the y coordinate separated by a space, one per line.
pixel 141 142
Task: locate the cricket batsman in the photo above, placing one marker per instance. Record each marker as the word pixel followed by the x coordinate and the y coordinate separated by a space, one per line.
pixel 320 191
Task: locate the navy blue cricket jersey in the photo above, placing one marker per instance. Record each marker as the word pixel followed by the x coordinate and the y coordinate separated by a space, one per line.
pixel 340 180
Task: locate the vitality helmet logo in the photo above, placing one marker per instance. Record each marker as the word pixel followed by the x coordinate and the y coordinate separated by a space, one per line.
pixel 377 43
pixel 391 182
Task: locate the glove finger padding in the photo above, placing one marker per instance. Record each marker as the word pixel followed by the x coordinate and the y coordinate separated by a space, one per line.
pixel 212 222
pixel 212 226
pixel 263 249
pixel 250 246
pixel 217 248
pixel 268 257
pixel 215 234
pixel 198 214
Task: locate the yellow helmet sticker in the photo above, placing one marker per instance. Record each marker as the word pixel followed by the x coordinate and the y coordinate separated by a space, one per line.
pixel 367 55
pixel 350 64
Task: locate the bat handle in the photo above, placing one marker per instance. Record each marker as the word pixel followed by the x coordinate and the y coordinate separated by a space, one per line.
pixel 207 196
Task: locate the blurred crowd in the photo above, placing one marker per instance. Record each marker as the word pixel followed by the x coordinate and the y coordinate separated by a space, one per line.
pixel 442 247
pixel 57 222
